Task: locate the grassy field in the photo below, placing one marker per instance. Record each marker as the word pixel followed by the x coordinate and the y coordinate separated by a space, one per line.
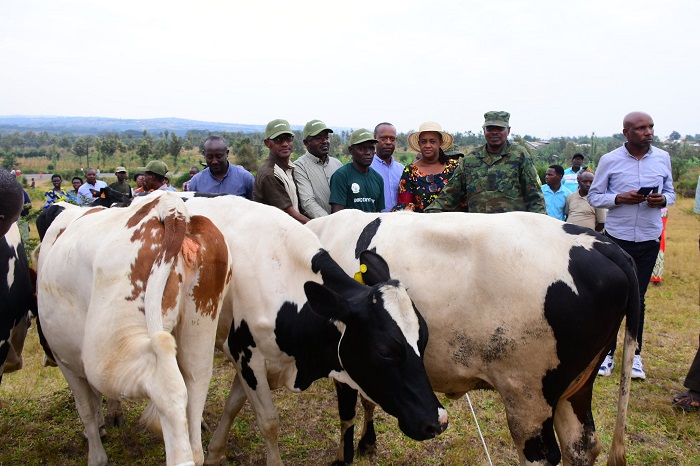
pixel 39 423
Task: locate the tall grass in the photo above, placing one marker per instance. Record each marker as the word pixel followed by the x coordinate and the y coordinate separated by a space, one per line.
pixel 39 423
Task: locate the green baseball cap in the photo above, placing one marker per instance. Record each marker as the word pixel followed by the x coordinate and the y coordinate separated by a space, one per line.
pixel 361 135
pixel 497 119
pixel 276 128
pixel 314 127
pixel 155 166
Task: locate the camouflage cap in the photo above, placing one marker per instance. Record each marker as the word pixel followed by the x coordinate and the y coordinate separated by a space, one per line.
pixel 495 118
pixel 276 128
pixel 155 166
pixel 314 127
pixel 361 135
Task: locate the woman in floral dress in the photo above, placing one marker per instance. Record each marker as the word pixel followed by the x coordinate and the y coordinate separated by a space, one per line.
pixel 423 180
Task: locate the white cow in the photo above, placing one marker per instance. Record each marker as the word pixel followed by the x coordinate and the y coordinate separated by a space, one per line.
pixel 118 289
pixel 518 302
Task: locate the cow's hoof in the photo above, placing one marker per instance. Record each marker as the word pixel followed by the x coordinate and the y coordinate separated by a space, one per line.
pixel 339 463
pixel 114 420
pixel 205 427
pixel 12 366
pixel 366 449
pixel 48 362
pixel 215 460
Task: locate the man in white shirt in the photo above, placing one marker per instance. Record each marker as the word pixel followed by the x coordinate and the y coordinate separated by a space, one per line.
pixel 92 186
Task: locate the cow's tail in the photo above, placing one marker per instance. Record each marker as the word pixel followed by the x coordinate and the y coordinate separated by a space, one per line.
pixel 164 291
pixel 164 287
pixel 625 262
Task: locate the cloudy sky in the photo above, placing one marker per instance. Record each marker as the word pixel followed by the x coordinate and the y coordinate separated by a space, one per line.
pixel 560 68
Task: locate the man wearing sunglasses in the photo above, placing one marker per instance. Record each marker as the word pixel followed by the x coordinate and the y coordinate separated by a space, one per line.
pixel 274 183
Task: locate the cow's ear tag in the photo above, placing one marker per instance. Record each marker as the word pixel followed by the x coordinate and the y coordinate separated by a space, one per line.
pixel 358 275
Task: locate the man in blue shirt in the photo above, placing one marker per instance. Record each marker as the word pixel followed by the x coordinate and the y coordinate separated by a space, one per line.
pixel 385 164
pixel 221 176
pixel 554 192
pixel 634 217
pixel 570 179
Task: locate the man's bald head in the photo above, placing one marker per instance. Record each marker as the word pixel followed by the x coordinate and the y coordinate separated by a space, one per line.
pixel 631 118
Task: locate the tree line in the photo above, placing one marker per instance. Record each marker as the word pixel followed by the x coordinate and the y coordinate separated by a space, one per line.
pixel 248 149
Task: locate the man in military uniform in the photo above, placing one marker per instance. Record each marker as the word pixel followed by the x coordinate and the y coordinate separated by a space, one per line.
pixel 496 177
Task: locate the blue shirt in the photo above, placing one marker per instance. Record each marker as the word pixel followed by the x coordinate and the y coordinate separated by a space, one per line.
pixel 619 172
pixel 555 201
pixel 391 175
pixel 237 181
pixel 570 178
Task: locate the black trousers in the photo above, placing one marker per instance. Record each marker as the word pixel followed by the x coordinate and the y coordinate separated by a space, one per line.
pixel 644 254
pixel 692 380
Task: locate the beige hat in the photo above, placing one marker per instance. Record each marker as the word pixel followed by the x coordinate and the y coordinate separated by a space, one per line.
pixel 447 138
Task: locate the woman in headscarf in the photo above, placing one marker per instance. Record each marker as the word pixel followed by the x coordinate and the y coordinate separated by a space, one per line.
pixel 423 180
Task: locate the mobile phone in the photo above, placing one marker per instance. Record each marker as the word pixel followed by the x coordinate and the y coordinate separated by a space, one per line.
pixel 645 191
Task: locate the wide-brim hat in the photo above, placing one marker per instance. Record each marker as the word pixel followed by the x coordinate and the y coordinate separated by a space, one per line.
pixel 447 138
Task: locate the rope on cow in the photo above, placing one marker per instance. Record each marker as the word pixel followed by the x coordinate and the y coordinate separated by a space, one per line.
pixel 483 442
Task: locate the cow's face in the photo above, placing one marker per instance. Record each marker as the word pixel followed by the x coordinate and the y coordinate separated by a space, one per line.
pixel 381 350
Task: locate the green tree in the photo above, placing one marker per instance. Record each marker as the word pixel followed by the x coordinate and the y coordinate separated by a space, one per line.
pixel 174 148
pixel 245 154
pixel 9 161
pixel 674 136
pixel 81 148
pixel 144 150
pixel 107 146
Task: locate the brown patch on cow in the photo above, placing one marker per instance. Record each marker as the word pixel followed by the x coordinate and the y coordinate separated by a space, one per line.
pixel 150 235
pixel 142 213
pixel 93 210
pixel 172 289
pixel 213 265
pixel 60 232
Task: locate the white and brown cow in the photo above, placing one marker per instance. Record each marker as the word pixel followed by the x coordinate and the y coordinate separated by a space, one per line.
pixel 295 316
pixel 518 302
pixel 17 300
pixel 118 289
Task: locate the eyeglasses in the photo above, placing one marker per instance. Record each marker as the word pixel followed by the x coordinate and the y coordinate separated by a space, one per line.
pixel 283 138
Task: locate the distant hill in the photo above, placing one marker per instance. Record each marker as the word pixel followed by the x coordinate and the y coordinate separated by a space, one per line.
pixel 98 125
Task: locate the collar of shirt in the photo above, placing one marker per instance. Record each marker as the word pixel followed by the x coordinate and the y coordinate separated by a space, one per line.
pixel 317 160
pixel 651 149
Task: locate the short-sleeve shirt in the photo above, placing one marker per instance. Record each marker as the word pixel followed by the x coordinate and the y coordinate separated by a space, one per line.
pixel 555 201
pixel 122 188
pixel 237 181
pixel 86 189
pixel 270 190
pixel 579 212
pixel 356 190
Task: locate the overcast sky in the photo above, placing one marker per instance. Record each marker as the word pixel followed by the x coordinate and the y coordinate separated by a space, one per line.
pixel 559 67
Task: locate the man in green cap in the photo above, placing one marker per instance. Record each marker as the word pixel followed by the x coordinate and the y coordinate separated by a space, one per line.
pixel 274 183
pixel 121 184
pixel 313 170
pixel 154 176
pixel 496 177
pixel 356 185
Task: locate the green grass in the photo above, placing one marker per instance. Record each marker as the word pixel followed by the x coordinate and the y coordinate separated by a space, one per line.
pixel 39 423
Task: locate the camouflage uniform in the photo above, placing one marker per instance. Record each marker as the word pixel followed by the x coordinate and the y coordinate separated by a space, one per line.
pixel 492 183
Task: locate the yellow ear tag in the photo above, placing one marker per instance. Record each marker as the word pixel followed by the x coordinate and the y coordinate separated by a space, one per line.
pixel 358 275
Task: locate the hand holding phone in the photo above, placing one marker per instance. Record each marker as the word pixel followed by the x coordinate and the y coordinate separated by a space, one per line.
pixel 646 190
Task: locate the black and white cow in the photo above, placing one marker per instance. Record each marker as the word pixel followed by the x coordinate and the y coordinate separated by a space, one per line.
pixel 16 300
pixel 518 302
pixel 295 316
